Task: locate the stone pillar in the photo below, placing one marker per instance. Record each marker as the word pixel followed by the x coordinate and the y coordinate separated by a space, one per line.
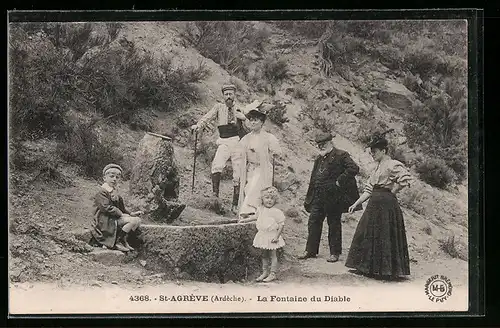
pixel 154 183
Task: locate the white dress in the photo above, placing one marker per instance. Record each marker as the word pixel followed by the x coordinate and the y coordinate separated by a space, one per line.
pixel 268 223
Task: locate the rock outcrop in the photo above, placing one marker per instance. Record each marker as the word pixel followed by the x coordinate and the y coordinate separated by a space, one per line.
pixel 396 96
pixel 154 183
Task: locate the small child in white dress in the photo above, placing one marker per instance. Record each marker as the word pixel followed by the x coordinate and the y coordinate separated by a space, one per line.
pixel 270 223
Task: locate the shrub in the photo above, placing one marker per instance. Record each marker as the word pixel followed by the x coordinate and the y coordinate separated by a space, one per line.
pixel 274 69
pixel 277 114
pixel 435 172
pixel 308 29
pixel 185 120
pixel 369 128
pixel 84 147
pixel 423 61
pixel 226 43
pixel 54 67
pixel 300 93
pixel 292 212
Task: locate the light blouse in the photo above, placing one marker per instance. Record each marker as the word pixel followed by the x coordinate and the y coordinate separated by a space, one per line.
pixel 388 173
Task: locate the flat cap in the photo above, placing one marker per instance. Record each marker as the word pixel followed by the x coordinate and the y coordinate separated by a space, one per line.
pixel 111 166
pixel 323 137
pixel 228 87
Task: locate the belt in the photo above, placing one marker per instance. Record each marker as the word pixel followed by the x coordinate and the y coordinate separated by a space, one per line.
pixel 382 189
pixel 228 131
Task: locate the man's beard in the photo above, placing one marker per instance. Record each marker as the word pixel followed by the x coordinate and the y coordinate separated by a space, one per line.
pixel 229 102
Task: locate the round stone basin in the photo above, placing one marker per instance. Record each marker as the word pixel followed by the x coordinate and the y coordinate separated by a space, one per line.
pixel 214 251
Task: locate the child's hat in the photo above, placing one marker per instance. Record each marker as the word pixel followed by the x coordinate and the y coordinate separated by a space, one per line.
pixel 111 166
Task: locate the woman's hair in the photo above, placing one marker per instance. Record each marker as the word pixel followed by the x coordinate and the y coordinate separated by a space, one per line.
pixel 271 191
pixel 379 143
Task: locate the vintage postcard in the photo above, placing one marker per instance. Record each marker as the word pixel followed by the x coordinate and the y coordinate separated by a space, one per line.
pixel 197 167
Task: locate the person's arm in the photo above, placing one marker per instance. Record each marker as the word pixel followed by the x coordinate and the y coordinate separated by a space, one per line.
pixel 400 177
pixel 274 146
pixel 208 117
pixel 250 219
pixel 359 201
pixel 104 204
pixel 281 224
pixel 351 169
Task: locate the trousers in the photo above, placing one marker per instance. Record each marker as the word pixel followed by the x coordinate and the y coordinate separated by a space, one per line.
pixel 228 148
pixel 315 227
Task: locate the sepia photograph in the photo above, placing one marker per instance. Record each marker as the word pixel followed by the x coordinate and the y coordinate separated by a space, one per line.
pixel 258 166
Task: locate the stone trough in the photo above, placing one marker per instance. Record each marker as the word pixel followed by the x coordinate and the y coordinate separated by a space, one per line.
pixel 212 252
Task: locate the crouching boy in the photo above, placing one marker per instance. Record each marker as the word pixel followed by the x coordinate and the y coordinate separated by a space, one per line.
pixel 112 222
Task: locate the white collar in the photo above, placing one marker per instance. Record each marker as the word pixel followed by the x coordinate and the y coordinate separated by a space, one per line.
pixel 107 187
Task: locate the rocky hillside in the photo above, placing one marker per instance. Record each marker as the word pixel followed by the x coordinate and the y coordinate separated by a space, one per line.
pixel 366 89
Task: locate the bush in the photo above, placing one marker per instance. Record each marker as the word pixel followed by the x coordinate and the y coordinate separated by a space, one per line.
pixel 423 61
pixel 369 128
pixel 435 172
pixel 308 29
pixel 300 93
pixel 277 114
pixel 54 67
pixel 226 43
pixel 84 147
pixel 292 212
pixel 274 69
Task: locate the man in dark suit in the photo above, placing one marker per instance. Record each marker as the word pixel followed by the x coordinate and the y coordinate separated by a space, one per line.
pixel 332 189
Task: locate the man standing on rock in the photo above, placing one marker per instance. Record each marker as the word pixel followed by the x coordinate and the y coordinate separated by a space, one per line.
pixel 332 188
pixel 231 125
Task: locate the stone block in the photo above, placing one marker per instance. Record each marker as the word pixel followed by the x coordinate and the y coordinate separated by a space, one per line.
pixel 204 252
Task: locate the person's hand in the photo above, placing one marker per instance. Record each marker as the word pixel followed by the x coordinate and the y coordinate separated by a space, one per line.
pixel 240 115
pixel 195 127
pixel 337 183
pixel 274 240
pixel 137 213
pixel 352 207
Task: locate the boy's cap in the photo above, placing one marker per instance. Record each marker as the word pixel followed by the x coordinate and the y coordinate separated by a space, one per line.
pixel 323 137
pixel 228 87
pixel 111 166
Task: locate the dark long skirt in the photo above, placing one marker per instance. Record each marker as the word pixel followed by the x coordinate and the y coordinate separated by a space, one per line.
pixel 379 245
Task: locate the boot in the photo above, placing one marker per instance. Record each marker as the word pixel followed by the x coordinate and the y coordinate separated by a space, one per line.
pixel 119 242
pixel 126 244
pixel 216 183
pixel 236 198
pixel 216 205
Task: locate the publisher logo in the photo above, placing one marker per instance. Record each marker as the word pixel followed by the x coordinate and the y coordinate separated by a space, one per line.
pixel 438 288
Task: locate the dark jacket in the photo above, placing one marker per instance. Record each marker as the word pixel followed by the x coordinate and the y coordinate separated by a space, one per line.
pixel 339 167
pixel 107 210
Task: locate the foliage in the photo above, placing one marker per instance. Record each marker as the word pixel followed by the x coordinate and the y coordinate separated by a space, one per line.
pixel 226 43
pixel 84 147
pixel 435 172
pixel 277 114
pixel 275 69
pixel 54 67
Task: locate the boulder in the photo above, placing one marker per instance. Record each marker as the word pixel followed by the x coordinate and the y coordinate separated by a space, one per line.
pixel 216 253
pixel 154 183
pixel 396 95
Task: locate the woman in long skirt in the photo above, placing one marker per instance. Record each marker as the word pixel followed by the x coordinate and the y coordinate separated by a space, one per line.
pixel 379 247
